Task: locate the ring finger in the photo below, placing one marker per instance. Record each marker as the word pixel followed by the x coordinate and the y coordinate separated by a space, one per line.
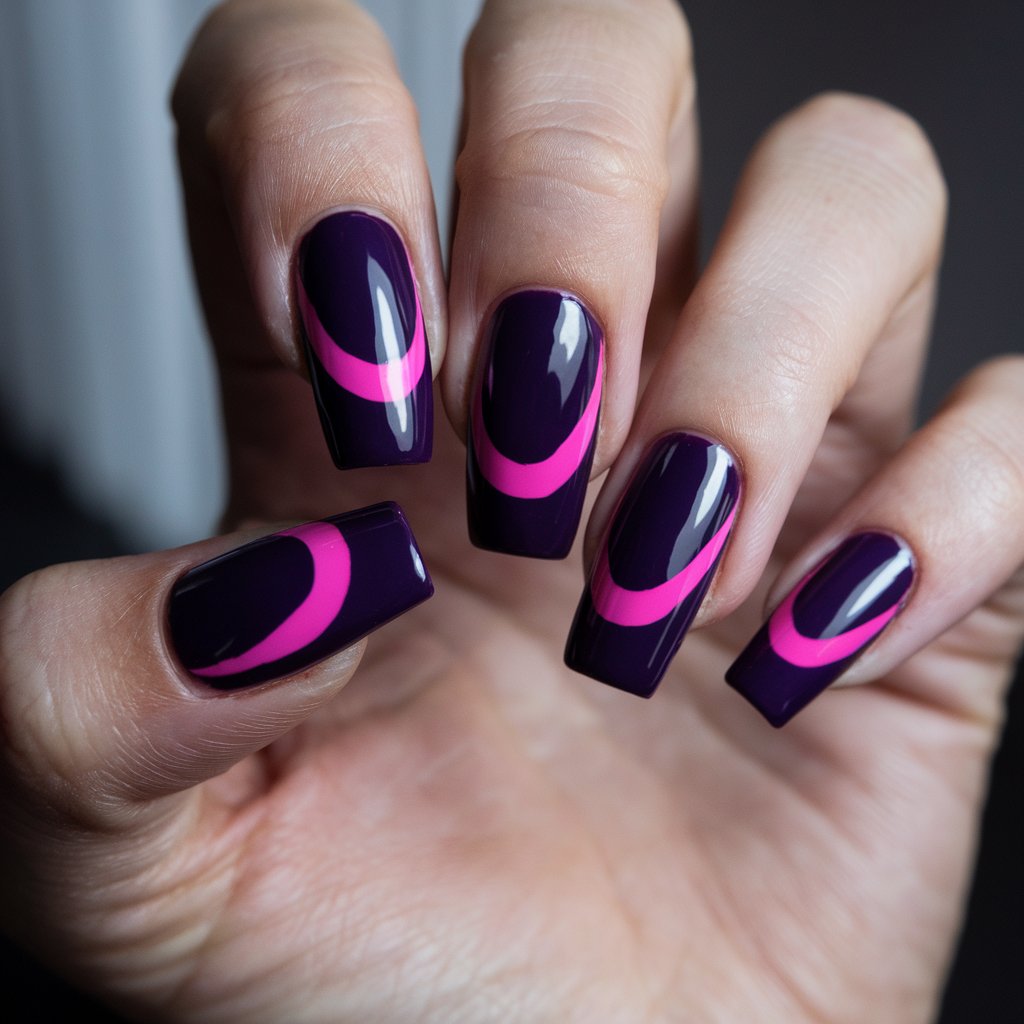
pixel 809 317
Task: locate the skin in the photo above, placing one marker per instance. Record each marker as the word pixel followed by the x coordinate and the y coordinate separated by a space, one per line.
pixel 462 829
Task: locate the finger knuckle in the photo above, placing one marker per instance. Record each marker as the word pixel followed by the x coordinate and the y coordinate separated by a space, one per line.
pixel 793 337
pixel 594 127
pixel 983 419
pixel 258 87
pixel 791 362
pixel 986 460
pixel 544 164
pixel 878 144
pixel 292 108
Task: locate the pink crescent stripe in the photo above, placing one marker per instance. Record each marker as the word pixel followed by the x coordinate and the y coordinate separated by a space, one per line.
pixel 377 382
pixel 642 607
pixel 806 652
pixel 332 567
pixel 538 479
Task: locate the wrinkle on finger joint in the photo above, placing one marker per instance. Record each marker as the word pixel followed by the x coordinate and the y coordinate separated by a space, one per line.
pixel 570 161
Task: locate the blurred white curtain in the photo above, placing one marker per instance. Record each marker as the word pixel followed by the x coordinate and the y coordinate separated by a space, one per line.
pixel 105 370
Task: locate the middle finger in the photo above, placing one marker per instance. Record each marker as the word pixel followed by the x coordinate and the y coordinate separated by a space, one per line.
pixel 571 111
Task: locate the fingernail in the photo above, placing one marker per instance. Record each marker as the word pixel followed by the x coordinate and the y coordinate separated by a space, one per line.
pixel 362 327
pixel 287 601
pixel 823 625
pixel 656 564
pixel 533 424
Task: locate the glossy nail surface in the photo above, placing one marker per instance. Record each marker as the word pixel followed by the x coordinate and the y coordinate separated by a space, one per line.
pixel 656 565
pixel 533 424
pixel 287 601
pixel 823 624
pixel 362 327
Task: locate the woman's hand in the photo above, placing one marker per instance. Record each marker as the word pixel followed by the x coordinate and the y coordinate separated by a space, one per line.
pixel 469 831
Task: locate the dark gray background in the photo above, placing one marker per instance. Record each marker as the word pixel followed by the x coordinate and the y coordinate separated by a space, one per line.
pixel 957 69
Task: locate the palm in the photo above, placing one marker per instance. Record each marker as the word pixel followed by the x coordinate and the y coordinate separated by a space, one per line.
pixel 472 832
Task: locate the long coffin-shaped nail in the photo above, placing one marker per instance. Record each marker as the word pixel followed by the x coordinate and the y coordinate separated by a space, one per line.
pixel 287 601
pixel 823 624
pixel 656 565
pixel 533 424
pixel 362 327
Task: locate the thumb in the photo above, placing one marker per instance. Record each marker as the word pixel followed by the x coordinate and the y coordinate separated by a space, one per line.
pixel 133 679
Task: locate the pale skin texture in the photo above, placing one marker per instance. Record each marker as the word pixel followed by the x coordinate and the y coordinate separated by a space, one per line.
pixel 463 830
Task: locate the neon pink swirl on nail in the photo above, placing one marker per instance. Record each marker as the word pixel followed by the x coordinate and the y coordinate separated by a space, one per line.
pixel 538 479
pixel 332 570
pixel 642 607
pixel 807 652
pixel 392 381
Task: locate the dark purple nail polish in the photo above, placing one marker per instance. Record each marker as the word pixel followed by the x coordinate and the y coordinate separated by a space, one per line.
pixel 823 624
pixel 533 424
pixel 656 565
pixel 287 601
pixel 362 327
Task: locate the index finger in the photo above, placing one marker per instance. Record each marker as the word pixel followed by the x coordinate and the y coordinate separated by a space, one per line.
pixel 312 225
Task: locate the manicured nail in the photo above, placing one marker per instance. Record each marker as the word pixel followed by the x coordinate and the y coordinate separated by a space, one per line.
pixel 287 601
pixel 656 564
pixel 362 327
pixel 823 625
pixel 533 424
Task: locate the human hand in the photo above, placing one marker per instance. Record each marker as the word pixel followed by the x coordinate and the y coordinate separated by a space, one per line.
pixel 467 830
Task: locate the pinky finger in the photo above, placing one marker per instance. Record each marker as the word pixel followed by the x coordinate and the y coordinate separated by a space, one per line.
pixel 936 534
